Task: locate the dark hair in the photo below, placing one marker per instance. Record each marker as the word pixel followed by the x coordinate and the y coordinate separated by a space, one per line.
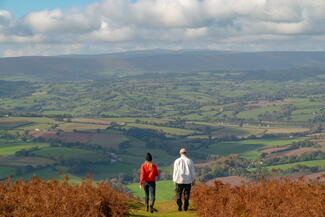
pixel 148 157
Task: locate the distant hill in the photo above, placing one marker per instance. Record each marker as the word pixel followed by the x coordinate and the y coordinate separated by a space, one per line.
pixel 92 67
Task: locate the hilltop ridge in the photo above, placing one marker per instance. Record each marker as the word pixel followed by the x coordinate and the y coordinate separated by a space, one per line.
pixel 94 67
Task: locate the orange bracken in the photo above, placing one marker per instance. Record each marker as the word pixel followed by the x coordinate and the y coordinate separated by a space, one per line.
pixel 52 198
pixel 276 198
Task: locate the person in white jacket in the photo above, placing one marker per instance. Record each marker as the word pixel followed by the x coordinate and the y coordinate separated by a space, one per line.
pixel 184 178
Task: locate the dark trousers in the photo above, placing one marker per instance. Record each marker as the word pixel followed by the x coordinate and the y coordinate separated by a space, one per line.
pixel 150 187
pixel 180 190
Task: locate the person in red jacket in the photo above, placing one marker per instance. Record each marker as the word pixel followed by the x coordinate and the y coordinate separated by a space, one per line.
pixel 149 172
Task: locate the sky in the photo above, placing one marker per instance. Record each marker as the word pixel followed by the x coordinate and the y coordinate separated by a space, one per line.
pixel 19 8
pixel 56 27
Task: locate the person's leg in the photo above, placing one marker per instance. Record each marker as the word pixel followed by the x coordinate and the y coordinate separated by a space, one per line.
pixel 146 197
pixel 152 190
pixel 179 192
pixel 187 193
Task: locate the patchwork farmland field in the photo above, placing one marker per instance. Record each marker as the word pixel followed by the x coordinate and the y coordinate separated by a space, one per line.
pixel 106 127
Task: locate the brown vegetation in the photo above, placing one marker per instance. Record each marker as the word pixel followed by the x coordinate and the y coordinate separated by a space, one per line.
pixel 285 130
pixel 278 152
pixel 230 180
pixel 278 197
pixel 264 103
pixel 58 198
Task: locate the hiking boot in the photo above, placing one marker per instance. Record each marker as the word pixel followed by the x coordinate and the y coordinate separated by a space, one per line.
pixel 151 209
pixel 147 208
pixel 186 204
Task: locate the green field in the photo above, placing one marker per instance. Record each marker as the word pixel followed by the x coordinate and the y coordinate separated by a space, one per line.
pixel 219 130
pixel 167 130
pixel 65 153
pixel 271 142
pixel 165 190
pixel 246 148
pixel 49 173
pixel 311 163
pixel 37 126
pixel 11 149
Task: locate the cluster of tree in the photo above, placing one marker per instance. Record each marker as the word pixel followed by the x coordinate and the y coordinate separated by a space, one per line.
pixel 316 155
pixel 28 169
pixel 224 166
pixel 27 152
pixel 301 169
pixel 256 175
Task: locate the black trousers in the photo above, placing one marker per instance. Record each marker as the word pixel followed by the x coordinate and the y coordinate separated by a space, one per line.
pixel 183 189
pixel 149 188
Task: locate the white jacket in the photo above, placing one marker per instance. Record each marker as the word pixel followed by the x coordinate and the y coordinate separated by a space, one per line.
pixel 184 172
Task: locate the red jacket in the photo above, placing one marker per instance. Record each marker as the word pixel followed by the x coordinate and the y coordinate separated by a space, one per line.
pixel 148 175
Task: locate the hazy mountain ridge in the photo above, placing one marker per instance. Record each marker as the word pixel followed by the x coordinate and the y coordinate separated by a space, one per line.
pixel 92 67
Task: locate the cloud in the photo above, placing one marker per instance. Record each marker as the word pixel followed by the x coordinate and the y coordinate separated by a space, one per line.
pixel 5 16
pixel 116 24
pixel 56 21
pixel 108 34
pixel 196 32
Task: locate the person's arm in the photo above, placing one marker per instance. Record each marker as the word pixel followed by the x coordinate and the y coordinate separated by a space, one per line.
pixel 141 176
pixel 192 170
pixel 155 170
pixel 175 171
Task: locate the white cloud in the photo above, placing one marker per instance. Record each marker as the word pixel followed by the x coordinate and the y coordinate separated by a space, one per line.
pixel 58 22
pixel 121 24
pixel 196 32
pixel 108 34
pixel 20 39
pixel 5 16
